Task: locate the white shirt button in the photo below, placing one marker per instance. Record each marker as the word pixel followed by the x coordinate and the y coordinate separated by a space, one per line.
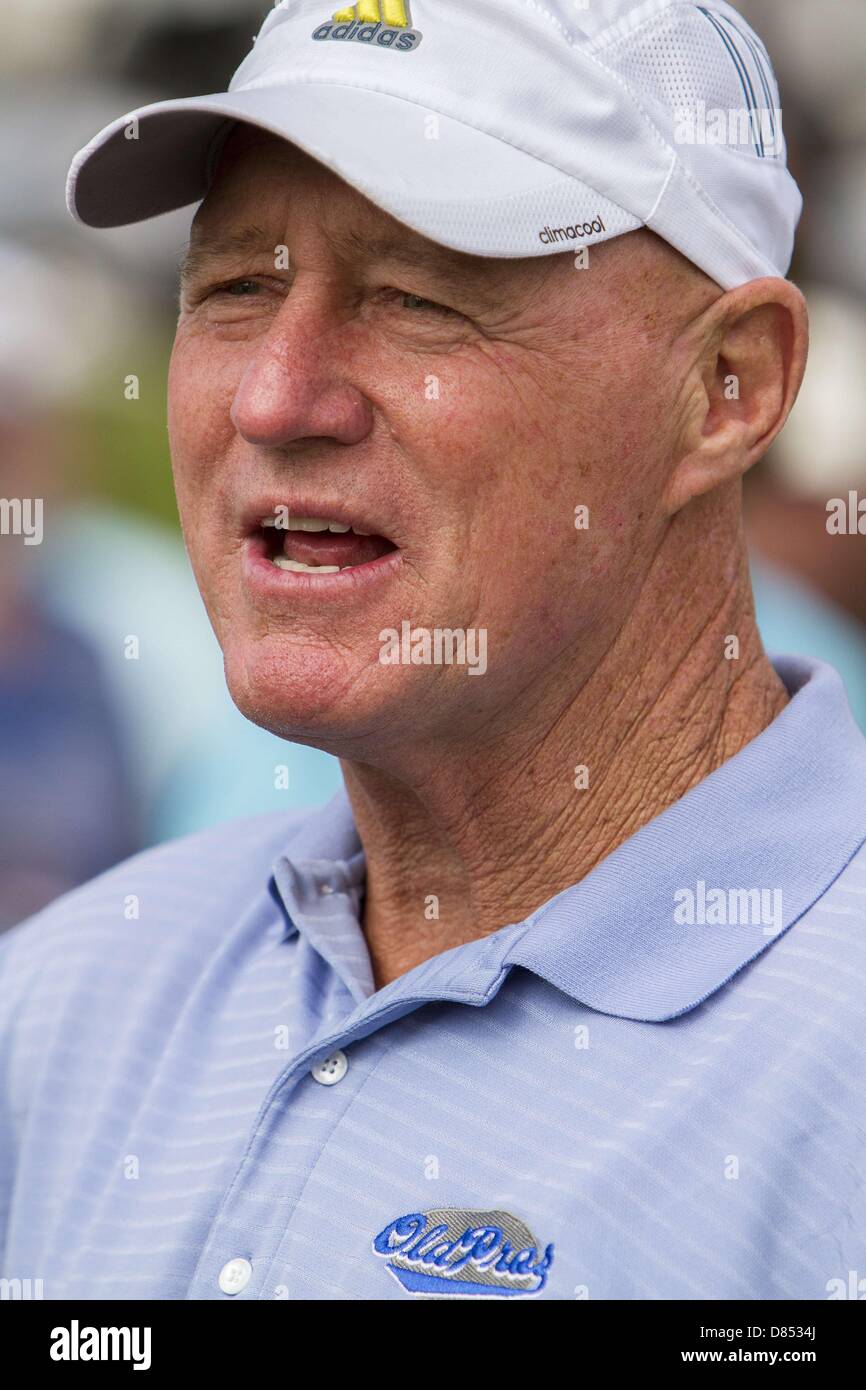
pixel 332 1070
pixel 235 1275
pixel 325 888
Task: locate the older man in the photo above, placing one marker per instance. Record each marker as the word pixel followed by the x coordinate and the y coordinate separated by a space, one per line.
pixel 560 997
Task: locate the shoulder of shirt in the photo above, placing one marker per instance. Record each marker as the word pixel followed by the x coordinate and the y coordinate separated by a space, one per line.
pixel 200 882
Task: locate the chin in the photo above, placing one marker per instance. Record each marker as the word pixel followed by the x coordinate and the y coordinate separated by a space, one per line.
pixel 305 693
pixel 284 686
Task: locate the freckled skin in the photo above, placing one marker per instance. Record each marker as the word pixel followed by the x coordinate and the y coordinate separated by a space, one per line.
pixel 478 488
pixel 556 387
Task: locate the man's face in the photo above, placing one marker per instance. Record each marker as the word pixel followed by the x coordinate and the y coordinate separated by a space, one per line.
pixel 331 362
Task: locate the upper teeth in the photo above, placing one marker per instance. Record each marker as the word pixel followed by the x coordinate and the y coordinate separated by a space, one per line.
pixel 312 523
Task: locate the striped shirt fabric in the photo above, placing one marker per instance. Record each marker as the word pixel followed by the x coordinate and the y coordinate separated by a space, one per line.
pixel 653 1087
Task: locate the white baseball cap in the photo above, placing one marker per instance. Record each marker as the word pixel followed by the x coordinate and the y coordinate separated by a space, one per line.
pixel 497 127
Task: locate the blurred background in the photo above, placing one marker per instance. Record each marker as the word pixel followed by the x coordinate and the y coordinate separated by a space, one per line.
pixel 116 731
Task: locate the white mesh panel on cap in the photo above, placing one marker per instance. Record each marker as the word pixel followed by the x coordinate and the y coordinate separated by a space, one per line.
pixel 679 58
pixel 690 54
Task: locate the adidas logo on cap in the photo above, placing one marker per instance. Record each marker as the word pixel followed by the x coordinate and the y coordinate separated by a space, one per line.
pixel 378 23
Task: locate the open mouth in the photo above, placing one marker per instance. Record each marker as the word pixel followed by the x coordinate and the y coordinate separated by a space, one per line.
pixel 318 545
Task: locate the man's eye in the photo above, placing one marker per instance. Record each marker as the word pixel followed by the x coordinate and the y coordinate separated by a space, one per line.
pixel 420 305
pixel 238 288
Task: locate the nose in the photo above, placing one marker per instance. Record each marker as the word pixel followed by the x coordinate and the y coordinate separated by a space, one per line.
pixel 294 389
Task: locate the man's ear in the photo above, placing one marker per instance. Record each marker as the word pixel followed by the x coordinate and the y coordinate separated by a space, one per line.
pixel 745 359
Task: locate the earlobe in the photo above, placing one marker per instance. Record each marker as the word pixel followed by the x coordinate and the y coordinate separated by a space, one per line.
pixel 747 368
pixel 719 458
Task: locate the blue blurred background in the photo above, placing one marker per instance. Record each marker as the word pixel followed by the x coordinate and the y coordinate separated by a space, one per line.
pixel 116 731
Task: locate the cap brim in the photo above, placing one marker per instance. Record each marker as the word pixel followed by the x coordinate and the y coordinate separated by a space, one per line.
pixel 459 186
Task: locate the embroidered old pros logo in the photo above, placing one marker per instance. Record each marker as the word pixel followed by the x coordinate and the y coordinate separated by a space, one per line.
pixel 377 23
pixel 450 1253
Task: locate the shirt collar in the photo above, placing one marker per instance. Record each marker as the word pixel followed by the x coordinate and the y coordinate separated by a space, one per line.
pixel 322 896
pixel 784 815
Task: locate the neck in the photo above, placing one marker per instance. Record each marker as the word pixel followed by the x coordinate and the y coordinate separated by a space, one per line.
pixel 470 839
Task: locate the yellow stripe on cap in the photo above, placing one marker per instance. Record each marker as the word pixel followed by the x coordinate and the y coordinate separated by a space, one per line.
pixel 394 13
pixel 391 12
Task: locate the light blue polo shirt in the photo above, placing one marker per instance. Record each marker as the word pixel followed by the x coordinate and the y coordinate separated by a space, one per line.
pixel 651 1088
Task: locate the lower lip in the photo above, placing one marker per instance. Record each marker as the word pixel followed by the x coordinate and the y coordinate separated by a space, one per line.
pixel 266 578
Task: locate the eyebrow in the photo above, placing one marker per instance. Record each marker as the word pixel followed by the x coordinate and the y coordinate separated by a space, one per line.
pixel 450 269
pixel 199 254
pixel 413 253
